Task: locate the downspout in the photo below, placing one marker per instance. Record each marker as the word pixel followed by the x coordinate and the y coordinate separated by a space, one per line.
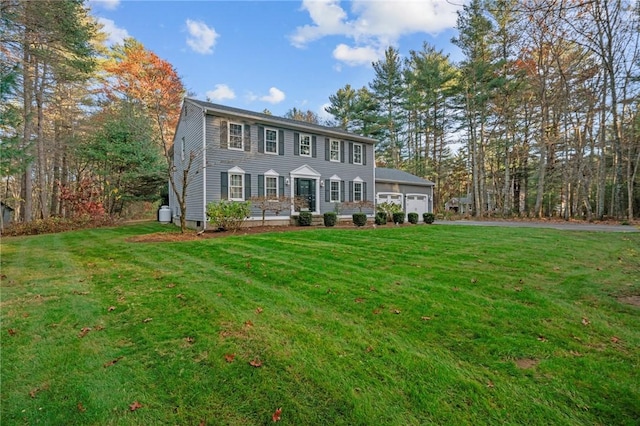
pixel 204 169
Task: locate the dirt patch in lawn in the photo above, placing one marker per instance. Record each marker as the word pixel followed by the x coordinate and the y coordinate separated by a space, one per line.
pixel 526 363
pixel 630 300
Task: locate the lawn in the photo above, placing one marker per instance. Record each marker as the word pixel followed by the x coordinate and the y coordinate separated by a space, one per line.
pixel 390 326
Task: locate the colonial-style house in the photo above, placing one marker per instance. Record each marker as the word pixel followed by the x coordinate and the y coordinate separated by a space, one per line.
pixel 239 155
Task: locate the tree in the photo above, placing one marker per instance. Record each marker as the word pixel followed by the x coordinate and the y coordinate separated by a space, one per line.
pixel 144 78
pixel 299 115
pixel 388 90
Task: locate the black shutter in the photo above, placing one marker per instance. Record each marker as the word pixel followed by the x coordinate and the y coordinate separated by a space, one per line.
pixel 247 186
pixel 327 144
pixel 296 143
pixel 341 191
pixel 327 190
pixel 281 186
pixel 224 138
pixel 342 151
pixel 260 139
pixel 350 152
pixel 281 142
pixel 350 190
pixel 260 185
pixel 314 147
pixel 364 155
pixel 364 191
pixel 247 138
pixel 224 186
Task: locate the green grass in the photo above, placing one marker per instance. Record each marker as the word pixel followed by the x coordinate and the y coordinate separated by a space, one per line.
pixel 395 326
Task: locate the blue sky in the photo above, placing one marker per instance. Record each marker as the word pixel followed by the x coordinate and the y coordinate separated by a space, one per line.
pixel 278 54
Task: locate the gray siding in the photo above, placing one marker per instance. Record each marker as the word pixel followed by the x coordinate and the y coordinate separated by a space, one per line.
pixel 258 163
pixel 403 188
pixel 189 128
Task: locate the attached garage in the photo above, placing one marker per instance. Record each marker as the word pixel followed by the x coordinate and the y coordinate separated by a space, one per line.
pixel 413 193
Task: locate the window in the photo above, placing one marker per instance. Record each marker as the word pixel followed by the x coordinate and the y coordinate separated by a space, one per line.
pixel 271 186
pixel 357 153
pixel 334 154
pixel 335 191
pixel 182 149
pixel 235 136
pixel 271 141
pixel 305 145
pixel 236 187
pixel 357 191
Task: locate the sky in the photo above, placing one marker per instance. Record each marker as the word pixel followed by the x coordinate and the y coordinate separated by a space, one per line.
pixel 278 55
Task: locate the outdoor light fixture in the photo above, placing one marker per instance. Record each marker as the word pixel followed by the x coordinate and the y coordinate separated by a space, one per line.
pixel 286 181
pixel 321 184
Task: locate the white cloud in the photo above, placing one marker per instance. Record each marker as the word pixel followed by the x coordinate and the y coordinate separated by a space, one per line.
pixel 202 38
pixel 356 55
pixel 105 4
pixel 220 93
pixel 275 96
pixel 374 25
pixel 323 115
pixel 115 34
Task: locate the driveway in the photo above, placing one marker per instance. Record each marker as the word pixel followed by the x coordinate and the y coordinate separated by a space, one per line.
pixel 568 226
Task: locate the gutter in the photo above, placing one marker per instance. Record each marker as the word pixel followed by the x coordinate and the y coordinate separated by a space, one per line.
pixel 204 170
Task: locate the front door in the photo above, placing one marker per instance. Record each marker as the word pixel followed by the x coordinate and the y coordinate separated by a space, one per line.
pixel 306 192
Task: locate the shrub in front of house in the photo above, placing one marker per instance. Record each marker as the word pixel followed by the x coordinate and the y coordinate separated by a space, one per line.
pixel 413 217
pixel 428 217
pixel 330 219
pixel 398 218
pixel 359 219
pixel 305 219
pixel 228 215
pixel 381 218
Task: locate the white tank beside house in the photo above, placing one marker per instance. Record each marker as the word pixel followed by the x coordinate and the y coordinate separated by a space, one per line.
pixel 164 214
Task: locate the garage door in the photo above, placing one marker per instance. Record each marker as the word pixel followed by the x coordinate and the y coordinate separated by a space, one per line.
pixel 417 203
pixel 389 197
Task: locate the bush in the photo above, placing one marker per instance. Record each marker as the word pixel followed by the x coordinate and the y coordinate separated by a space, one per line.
pixel 428 217
pixel 55 224
pixel 228 215
pixel 330 219
pixel 413 217
pixel 389 209
pixel 398 218
pixel 359 219
pixel 305 219
pixel 381 218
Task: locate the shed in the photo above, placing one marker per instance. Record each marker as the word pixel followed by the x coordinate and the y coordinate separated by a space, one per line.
pixel 413 193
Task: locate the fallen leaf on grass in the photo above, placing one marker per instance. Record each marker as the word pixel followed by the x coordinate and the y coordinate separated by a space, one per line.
pixel 189 339
pixel 135 406
pixel 474 280
pixel 98 327
pixel 369 348
pixel 248 323
pixel 574 353
pixel 276 416
pixel 542 338
pixel 396 311
pixel 426 318
pixel 172 285
pixel 112 362
pixel 180 296
pixel 147 319
pixel 229 357
pixel 359 300
pixel 615 339
pixel 255 363
pixel 490 384
pixel 12 331
pixel 81 407
pixel 376 311
pixel 84 332
pixel 585 321
pixel 259 310
pixel 111 308
pixel 455 289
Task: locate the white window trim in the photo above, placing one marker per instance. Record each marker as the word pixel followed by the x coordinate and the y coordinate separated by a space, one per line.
pixel 336 179
pixel 182 149
pixel 235 171
pixel 265 141
pixel 331 150
pixel 272 174
pixel 229 124
pixel 302 136
pixel 354 153
pixel 354 191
